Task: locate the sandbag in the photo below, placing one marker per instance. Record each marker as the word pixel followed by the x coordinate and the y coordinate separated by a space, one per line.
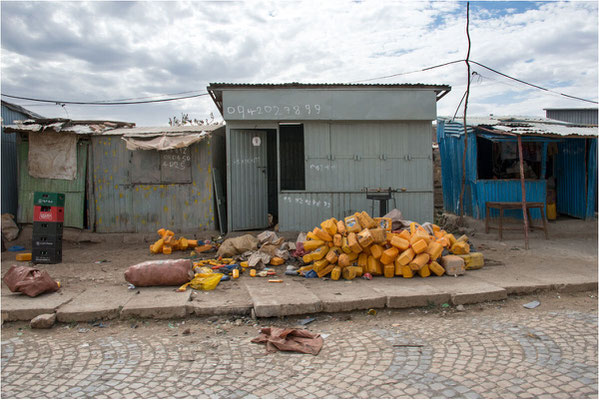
pixel 238 245
pixel 160 273
pixel 10 230
pixel 29 281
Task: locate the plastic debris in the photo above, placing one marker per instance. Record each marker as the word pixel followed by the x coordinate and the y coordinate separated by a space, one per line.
pixel 16 248
pixel 311 274
pixel 306 321
pixel 130 286
pixel 204 281
pixel 532 304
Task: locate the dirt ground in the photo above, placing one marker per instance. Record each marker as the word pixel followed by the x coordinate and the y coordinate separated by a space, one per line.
pixel 101 259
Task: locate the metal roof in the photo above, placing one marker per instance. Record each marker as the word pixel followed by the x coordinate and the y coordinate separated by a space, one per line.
pixel 149 131
pixel 216 89
pixel 570 109
pixel 19 109
pixel 528 126
pixel 326 85
pixel 79 127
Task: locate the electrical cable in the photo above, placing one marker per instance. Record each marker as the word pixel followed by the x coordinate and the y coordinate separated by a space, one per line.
pixel 533 85
pixel 147 97
pixel 97 103
pixel 407 73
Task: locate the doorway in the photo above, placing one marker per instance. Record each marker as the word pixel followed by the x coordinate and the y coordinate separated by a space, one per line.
pixel 253 169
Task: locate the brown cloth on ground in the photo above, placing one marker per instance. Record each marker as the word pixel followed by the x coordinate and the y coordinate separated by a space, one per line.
pixel 29 281
pixel 287 339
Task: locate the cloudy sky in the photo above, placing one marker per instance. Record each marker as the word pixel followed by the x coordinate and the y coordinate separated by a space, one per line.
pixel 95 51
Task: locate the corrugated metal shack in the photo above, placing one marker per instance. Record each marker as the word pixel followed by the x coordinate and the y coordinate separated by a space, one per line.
pixel 56 138
pixel 586 116
pixel 560 163
pixel 307 152
pixel 10 114
pixel 147 178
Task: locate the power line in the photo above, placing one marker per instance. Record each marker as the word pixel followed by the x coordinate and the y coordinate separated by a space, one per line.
pixel 99 103
pixel 147 97
pixel 411 72
pixel 533 85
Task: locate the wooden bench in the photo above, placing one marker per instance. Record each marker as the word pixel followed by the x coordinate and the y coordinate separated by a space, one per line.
pixel 514 205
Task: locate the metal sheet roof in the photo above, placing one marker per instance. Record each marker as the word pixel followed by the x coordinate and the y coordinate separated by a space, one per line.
pixel 529 126
pixel 65 126
pixel 297 85
pixel 19 109
pixel 149 131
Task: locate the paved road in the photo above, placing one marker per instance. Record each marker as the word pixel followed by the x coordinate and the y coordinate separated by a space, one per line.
pixel 500 352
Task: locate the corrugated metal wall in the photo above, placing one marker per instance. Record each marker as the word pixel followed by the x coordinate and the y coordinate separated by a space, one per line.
pixel 344 157
pixel 450 137
pixel 9 162
pixel 74 190
pixel 571 178
pixel 508 190
pixel 592 179
pixel 582 116
pixel 121 206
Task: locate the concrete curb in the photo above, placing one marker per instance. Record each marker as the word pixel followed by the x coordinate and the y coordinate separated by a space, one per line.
pixel 269 300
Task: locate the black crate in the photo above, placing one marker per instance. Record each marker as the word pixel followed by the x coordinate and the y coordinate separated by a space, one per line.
pixel 47 242
pixel 46 256
pixel 47 228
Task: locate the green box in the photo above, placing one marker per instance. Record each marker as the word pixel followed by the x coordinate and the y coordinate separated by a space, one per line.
pixel 48 199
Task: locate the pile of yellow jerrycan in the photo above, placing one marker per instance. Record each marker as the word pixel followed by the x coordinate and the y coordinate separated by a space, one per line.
pixel 360 245
pixel 167 243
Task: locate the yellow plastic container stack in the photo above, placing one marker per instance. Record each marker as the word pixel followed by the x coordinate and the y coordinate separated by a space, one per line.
pixel 357 244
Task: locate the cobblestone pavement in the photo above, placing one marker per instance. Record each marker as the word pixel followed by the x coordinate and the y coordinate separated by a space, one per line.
pixel 524 354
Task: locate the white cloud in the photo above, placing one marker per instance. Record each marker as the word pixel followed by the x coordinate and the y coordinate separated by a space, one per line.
pixel 110 50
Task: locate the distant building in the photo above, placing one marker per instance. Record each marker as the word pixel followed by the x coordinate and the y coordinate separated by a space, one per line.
pixel 583 116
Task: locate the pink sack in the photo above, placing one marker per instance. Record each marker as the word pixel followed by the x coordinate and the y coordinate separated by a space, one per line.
pixel 29 281
pixel 160 273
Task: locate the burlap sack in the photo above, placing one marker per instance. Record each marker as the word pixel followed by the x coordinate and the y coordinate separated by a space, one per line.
pixel 238 245
pixel 160 273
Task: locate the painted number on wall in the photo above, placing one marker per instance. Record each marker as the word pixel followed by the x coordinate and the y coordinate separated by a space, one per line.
pixel 283 111
pixel 176 159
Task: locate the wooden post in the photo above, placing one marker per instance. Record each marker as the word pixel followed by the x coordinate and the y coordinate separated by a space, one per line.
pixel 467 94
pixel 524 210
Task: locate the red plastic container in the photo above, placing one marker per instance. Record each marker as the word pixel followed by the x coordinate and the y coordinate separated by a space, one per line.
pixel 48 214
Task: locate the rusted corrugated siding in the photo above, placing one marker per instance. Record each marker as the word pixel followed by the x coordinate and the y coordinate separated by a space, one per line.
pixel 121 206
pixel 74 190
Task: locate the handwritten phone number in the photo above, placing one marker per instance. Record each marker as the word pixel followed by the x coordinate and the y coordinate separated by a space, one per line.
pixel 274 110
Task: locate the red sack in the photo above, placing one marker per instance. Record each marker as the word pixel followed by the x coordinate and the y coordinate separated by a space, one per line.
pixel 29 281
pixel 160 273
